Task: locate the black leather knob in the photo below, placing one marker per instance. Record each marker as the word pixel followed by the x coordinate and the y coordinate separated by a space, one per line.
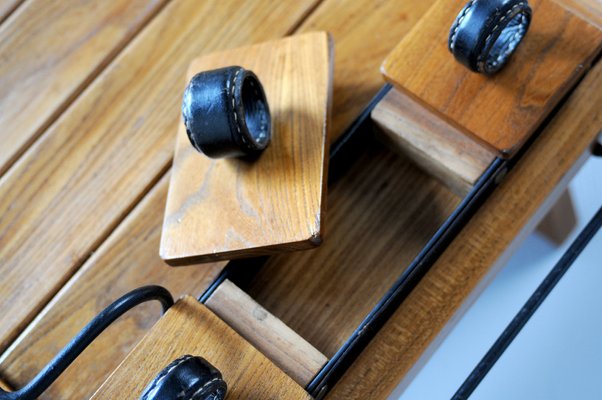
pixel 187 378
pixel 226 113
pixel 487 32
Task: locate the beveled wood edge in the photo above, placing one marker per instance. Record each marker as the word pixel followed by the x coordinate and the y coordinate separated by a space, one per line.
pixel 289 351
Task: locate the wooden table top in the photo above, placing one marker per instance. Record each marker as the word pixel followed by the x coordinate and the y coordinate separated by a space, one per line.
pixel 89 100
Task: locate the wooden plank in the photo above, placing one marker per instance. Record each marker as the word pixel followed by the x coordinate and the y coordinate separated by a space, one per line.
pixel 220 209
pixel 590 10
pixel 283 346
pixel 560 221
pixel 127 259
pixel 51 51
pixel 381 214
pixel 481 248
pixel 364 33
pixel 441 150
pixel 71 189
pixel 4 386
pixel 190 328
pixel 504 110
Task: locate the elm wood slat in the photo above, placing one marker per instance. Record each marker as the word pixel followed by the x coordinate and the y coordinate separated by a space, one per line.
pixel 72 187
pixel 51 51
pixel 283 346
pixel 356 32
pixel 364 33
pixel 504 110
pixel 191 328
pixel 590 10
pixel 220 209
pixel 482 247
pixel 126 260
pixel 381 214
pixel 449 155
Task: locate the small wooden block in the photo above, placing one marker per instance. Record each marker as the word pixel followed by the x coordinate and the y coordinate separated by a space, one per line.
pixel 454 158
pixel 230 208
pixel 501 111
pixel 289 351
pixel 190 328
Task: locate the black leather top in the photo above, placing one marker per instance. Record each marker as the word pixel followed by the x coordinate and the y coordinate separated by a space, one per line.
pixel 187 378
pixel 226 113
pixel 486 33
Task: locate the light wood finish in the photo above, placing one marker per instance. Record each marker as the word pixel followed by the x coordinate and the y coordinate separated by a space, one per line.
pixel 127 259
pixel 4 386
pixel 441 150
pixel 367 28
pixel 482 247
pixel 283 346
pixel 501 111
pixel 381 214
pixel 560 221
pixel 73 187
pixel 590 10
pixel 220 209
pixel 190 328
pixel 51 51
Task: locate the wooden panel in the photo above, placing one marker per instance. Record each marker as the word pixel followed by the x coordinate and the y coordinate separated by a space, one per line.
pixel 484 244
pixel 51 51
pixel 503 110
pixel 190 328
pixel 560 221
pixel 230 208
pixel 70 190
pixel 440 149
pixel 590 10
pixel 289 351
pixel 364 33
pixel 381 214
pixel 127 259
pixel 4 386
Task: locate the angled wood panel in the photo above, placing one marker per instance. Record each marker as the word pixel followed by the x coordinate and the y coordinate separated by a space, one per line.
pixel 220 209
pixel 50 51
pixel 191 328
pixel 504 110
pixel 127 259
pixel 7 7
pixel 67 193
pixel 512 211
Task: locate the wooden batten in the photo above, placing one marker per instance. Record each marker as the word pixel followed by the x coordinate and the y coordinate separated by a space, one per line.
pixel 289 351
pixel 230 208
pixel 436 146
pixel 191 328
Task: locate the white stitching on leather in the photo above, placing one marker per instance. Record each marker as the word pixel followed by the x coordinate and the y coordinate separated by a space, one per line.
pixel 459 19
pixel 181 395
pixel 161 377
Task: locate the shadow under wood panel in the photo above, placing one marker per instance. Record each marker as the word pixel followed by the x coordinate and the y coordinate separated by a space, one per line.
pixel 72 188
pixel 128 259
pixel 50 51
pixel 380 215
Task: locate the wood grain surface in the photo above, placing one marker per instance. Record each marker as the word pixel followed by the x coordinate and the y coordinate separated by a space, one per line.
pixel 441 150
pixel 283 346
pixel 590 10
pixel 7 7
pixel 355 83
pixel 72 187
pixel 51 51
pixel 127 259
pixel 191 328
pixel 481 248
pixel 220 209
pixel 504 110
pixel 381 214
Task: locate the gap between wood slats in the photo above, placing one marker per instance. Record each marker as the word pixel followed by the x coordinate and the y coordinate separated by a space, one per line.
pixel 110 57
pixel 8 9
